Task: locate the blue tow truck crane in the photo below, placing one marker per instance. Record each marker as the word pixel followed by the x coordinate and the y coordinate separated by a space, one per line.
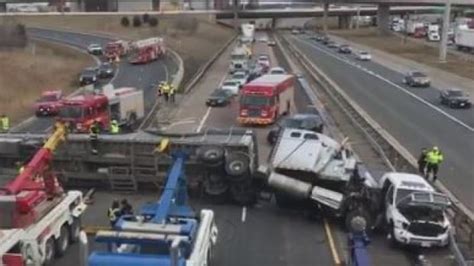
pixel 165 233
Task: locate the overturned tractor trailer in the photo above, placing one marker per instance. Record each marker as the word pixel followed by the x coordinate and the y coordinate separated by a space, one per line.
pixel 312 168
pixel 221 162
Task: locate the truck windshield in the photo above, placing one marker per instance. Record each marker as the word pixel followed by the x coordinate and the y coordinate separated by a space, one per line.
pixel 255 100
pixel 47 98
pixel 71 112
pixel 238 56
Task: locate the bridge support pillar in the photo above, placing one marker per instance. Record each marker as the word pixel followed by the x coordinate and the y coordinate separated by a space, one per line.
pixel 344 22
pixel 274 23
pixel 235 8
pixel 383 19
pixel 3 7
pixel 325 17
pixel 444 32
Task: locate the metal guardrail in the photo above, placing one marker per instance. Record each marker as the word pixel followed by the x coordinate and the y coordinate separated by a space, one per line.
pixel 197 77
pixel 388 147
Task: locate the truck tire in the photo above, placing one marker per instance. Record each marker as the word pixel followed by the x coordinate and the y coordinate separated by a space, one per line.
pixel 215 185
pixel 75 230
pixel 132 121
pixel 237 164
pixel 49 252
pixel 211 155
pixel 244 193
pixel 62 243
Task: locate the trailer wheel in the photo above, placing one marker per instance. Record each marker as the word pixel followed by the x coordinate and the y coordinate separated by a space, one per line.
pixel 49 252
pixel 132 121
pixel 62 243
pixel 244 193
pixel 75 230
pixel 215 185
pixel 237 164
pixel 211 155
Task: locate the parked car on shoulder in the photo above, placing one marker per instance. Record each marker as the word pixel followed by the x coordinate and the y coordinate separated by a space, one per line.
pixel 232 86
pixel 455 98
pixel 88 76
pixel 219 97
pixel 49 103
pixel 363 56
pixel 416 79
pixel 271 43
pixel 105 70
pixel 312 122
pixel 345 49
pixel 277 71
pixel 94 49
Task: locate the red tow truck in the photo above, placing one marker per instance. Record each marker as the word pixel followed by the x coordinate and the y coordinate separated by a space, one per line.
pixel 125 105
pixel 38 219
pixel 118 48
pixel 48 103
pixel 265 99
pixel 145 51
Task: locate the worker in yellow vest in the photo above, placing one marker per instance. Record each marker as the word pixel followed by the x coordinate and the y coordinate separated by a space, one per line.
pixel 114 127
pixel 166 91
pixel 4 123
pixel 433 159
pixel 114 213
pixel 172 93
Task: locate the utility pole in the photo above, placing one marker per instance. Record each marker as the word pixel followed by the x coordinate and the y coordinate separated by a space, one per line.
pixel 444 32
pixel 358 17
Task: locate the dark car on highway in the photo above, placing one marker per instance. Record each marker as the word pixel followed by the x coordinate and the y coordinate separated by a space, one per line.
pixel 306 121
pixel 325 40
pixel 416 79
pixel 455 98
pixel 105 70
pixel 345 49
pixel 219 97
pixel 88 76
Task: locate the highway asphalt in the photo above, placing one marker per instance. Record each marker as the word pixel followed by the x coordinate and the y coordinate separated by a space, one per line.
pixel 415 122
pixel 253 236
pixel 144 77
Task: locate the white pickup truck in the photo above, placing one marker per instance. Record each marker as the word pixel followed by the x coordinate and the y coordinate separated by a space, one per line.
pixel 414 211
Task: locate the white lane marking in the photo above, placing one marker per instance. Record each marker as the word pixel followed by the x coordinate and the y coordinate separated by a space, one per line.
pixel 208 112
pixel 203 120
pixel 449 116
pixel 244 214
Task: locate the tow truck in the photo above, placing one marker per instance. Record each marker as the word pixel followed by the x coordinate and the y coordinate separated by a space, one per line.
pixel 38 219
pixel 167 232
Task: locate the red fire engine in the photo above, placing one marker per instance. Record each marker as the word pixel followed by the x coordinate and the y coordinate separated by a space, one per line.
pixel 116 48
pixel 265 99
pixel 145 51
pixel 81 111
pixel 38 220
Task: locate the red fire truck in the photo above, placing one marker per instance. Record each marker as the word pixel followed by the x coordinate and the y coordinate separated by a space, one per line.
pixel 116 48
pixel 81 111
pixel 265 99
pixel 145 51
pixel 125 105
